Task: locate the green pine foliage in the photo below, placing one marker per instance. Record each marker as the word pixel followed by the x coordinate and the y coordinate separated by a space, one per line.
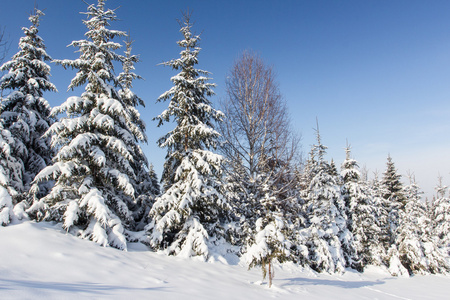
pixel 392 192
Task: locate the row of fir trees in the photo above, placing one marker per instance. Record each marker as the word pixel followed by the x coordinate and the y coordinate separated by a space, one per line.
pixel 87 170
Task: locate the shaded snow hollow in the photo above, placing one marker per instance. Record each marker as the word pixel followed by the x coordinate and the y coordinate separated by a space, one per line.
pixel 41 261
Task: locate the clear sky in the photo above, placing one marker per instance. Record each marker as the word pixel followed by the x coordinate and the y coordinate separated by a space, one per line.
pixel 375 73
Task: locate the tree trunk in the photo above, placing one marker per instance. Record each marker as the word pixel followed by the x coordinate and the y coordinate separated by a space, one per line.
pixel 271 273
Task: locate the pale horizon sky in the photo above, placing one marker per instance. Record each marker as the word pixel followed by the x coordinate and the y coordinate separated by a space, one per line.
pixel 375 73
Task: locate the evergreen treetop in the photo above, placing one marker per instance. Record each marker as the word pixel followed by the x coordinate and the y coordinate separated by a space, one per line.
pixel 28 73
pixel 349 168
pixel 189 106
pixel 392 185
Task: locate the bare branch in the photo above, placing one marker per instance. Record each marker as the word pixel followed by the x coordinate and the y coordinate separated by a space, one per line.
pixel 256 131
pixel 4 45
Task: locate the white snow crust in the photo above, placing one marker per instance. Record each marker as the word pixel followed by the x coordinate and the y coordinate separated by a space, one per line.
pixel 41 262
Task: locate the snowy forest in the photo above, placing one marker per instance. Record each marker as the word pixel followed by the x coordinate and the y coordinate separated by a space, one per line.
pixel 234 178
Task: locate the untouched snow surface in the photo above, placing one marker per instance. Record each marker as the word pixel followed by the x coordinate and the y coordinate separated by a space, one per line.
pixel 41 261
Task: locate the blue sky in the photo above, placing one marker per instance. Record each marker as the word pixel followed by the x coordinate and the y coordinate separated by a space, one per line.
pixel 375 73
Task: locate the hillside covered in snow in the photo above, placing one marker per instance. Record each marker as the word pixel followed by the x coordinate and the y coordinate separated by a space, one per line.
pixel 40 261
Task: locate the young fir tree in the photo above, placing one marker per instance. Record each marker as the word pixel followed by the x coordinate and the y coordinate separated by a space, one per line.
pixel 96 142
pixel 188 215
pixel 392 192
pixel 441 216
pixel 362 222
pixel 417 251
pixel 270 243
pixel 326 217
pixel 380 228
pixel 145 183
pixel 24 112
pixel 272 235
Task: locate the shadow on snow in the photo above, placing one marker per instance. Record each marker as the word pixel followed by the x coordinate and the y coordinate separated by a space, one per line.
pixel 81 287
pixel 328 282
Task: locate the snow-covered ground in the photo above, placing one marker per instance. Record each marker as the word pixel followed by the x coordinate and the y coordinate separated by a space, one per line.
pixel 41 261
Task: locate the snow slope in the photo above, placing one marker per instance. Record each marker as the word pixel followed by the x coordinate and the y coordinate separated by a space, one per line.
pixel 41 261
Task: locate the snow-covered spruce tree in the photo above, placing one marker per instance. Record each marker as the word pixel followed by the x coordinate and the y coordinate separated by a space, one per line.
pixel 380 229
pixel 187 216
pixel 361 215
pixel 417 251
pixel 273 232
pixel 441 216
pixel 326 217
pixel 93 169
pixel 270 243
pixel 10 176
pixel 392 192
pixel 24 112
pixel 144 182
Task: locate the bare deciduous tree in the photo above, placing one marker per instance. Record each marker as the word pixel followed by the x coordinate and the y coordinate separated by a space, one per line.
pixel 257 135
pixel 259 146
pixel 4 45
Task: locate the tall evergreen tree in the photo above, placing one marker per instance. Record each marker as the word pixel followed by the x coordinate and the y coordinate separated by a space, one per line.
pixel 96 142
pixel 381 207
pixel 375 253
pixel 326 216
pixel 392 192
pixel 362 221
pixel 24 112
pixel 187 216
pixel 144 182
